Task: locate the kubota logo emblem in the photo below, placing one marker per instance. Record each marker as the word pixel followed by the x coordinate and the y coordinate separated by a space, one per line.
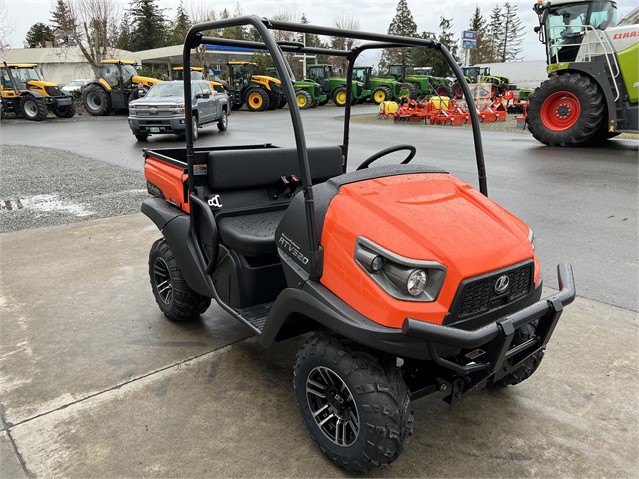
pixel 502 283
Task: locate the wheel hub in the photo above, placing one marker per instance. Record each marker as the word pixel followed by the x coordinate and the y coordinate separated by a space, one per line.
pixel 162 280
pixel 333 406
pixel 563 111
pixel 560 111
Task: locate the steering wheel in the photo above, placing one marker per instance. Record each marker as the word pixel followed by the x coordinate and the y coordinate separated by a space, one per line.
pixel 388 151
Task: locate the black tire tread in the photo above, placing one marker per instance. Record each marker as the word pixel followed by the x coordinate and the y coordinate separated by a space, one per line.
pixel 65 111
pixel 592 110
pixel 265 99
pixel 40 105
pixel 381 382
pixel 186 304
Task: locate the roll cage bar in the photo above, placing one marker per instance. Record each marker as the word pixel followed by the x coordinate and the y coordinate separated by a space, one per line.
pixel 195 38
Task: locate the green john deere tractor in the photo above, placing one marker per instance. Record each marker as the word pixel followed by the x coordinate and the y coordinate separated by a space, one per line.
pixel 420 80
pixel 307 92
pixel 335 87
pixel 383 89
pixel 592 91
pixel 500 84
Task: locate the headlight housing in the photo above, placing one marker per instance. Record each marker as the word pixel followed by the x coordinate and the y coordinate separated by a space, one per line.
pixel 178 109
pixel 133 110
pixel 402 278
pixel 531 238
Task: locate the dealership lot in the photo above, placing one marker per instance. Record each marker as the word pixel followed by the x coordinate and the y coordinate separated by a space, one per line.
pixel 96 383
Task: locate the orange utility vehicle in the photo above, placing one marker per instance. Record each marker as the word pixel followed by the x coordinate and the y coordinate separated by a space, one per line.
pixel 408 281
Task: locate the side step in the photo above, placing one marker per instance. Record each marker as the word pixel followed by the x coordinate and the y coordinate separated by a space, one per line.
pixel 255 316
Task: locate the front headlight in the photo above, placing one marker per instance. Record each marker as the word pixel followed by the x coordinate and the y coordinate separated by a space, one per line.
pixel 531 238
pixel 178 109
pixel 132 110
pixel 402 278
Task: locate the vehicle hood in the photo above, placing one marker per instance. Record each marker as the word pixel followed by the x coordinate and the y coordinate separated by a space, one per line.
pixel 146 81
pixel 435 217
pixel 165 100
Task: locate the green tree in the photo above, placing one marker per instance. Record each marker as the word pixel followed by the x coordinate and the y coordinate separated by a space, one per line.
pixel 403 25
pixel 422 56
pixel 446 38
pixel 494 34
pixel 39 35
pixel 63 24
pixel 483 52
pixel 180 26
pixel 510 47
pixel 148 25
pixel 123 41
pixel 313 40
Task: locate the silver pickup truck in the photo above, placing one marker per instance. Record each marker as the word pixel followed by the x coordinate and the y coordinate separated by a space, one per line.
pixel 162 109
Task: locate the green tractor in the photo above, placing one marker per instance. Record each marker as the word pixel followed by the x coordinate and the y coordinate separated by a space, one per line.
pixel 592 90
pixel 335 87
pixel 420 80
pixel 307 92
pixel 383 89
pixel 500 84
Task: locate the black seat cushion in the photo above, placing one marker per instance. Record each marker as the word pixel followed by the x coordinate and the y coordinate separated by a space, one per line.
pixel 250 235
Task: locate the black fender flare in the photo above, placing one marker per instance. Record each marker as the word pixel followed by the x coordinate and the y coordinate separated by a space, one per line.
pixel 174 225
pixel 34 94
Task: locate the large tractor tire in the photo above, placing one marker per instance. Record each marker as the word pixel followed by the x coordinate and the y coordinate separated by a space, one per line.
pixel 457 90
pixel 442 91
pixel 236 106
pixel 96 100
pixel 354 402
pixel 66 111
pixel 304 100
pixel 413 93
pixel 256 99
pixel 273 102
pixel 381 94
pixel 340 96
pixel 566 110
pixel 32 108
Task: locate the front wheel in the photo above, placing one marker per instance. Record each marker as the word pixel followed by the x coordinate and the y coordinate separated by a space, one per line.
pixel 66 111
pixel 566 110
pixel 257 100
pixel 528 367
pixel 33 109
pixel 304 100
pixel 339 96
pixel 355 404
pixel 174 297
pixel 381 94
pixel 96 100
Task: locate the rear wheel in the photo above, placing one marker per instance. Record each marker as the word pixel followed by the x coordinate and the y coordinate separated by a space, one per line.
pixel 339 96
pixel 223 123
pixel 566 110
pixel 96 100
pixel 410 88
pixel 355 404
pixel 32 108
pixel 529 366
pixel 66 111
pixel 304 100
pixel 174 297
pixel 256 100
pixel 442 91
pixel 457 90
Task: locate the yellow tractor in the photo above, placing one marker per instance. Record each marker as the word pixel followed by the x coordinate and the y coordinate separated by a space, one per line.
pixel 114 88
pixel 26 94
pixel 258 92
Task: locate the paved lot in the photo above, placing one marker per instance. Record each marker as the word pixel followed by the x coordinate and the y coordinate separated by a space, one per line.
pixel 95 382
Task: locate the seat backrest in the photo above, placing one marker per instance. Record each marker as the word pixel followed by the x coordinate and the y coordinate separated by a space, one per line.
pixel 248 169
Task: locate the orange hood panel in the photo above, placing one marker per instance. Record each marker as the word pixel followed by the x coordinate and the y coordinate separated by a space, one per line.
pixel 433 217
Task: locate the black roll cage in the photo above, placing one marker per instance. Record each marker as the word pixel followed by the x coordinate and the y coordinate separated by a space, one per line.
pixel 194 38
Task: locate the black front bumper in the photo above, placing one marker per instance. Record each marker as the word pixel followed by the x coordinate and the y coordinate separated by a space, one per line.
pixel 490 352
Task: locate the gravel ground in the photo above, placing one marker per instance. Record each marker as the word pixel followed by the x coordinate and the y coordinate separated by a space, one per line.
pixel 44 187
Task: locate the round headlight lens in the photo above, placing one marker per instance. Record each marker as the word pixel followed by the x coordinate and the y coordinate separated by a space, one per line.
pixel 377 263
pixel 417 281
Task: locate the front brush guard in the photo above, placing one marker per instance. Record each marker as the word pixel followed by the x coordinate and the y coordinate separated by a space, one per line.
pixel 491 344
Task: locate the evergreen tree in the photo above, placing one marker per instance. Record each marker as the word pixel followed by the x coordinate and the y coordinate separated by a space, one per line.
pixel 313 40
pixel 39 35
pixel 148 25
pixel 402 25
pixel 422 56
pixel 446 38
pixel 512 35
pixel 123 41
pixel 482 53
pixel 495 35
pixel 180 26
pixel 63 25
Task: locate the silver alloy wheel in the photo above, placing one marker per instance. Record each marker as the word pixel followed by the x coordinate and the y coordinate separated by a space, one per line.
pixel 30 108
pixel 332 406
pixel 94 101
pixel 162 278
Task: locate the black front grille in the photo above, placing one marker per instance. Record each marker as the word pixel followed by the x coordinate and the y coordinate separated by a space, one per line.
pixel 52 90
pixel 318 90
pixel 480 295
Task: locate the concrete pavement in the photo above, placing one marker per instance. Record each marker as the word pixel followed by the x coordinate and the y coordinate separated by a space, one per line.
pixel 95 382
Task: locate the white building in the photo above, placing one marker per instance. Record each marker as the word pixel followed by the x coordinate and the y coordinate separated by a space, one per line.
pixel 525 74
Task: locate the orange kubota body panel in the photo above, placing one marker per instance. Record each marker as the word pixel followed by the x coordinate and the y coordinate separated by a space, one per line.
pixel 430 217
pixel 433 217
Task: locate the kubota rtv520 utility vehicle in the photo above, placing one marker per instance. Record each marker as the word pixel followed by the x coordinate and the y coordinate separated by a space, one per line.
pixel 408 280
